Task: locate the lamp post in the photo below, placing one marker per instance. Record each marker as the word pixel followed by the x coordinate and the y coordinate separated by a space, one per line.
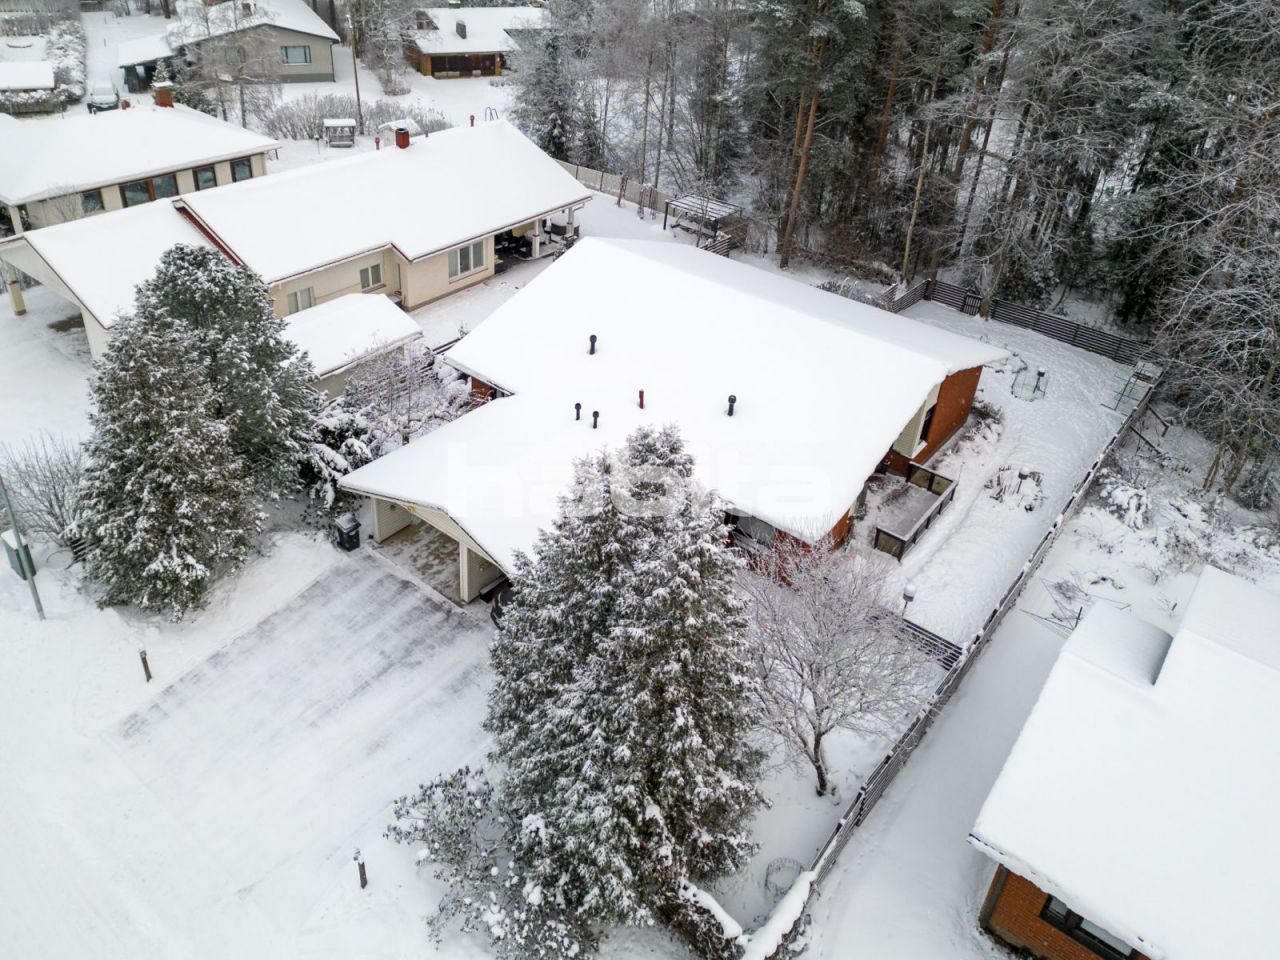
pixel 908 594
pixel 355 74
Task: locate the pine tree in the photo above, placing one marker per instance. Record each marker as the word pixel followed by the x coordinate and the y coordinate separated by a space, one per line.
pixel 547 101
pixel 622 696
pixel 261 386
pixel 167 500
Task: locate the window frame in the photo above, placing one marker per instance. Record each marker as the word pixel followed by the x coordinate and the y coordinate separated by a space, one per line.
pixel 124 192
pixel 1068 922
pixel 926 423
pixel 156 194
pixel 239 160
pixel 85 208
pixel 304 47
pixel 367 278
pixel 294 304
pixel 476 259
pixel 211 170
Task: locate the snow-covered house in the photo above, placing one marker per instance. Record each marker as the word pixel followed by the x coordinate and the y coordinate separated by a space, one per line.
pixel 789 398
pixel 1135 815
pixel 287 37
pixel 416 223
pixel 469 41
pixel 351 330
pixel 80 164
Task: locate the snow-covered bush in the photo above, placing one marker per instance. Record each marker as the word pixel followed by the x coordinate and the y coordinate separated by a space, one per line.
pixel 302 118
pixel 1127 502
pixel 44 477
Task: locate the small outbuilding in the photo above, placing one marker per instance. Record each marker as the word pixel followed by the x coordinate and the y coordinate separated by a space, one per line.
pixel 340 132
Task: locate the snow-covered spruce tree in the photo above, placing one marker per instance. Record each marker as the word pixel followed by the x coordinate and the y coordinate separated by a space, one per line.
pixel 261 384
pixel 547 103
pixel 621 708
pixel 166 499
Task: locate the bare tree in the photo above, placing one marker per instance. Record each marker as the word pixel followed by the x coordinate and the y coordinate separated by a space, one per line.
pixel 43 477
pixel 234 57
pixel 830 652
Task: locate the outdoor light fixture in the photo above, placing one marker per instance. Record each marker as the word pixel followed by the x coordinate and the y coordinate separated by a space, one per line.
pixel 908 594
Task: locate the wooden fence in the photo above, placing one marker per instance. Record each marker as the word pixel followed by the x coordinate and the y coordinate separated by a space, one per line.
pixel 885 772
pixel 1121 349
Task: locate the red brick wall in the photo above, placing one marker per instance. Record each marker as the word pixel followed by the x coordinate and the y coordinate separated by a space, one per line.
pixel 1015 919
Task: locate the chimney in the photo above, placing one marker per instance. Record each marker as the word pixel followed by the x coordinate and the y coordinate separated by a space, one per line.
pixel 402 137
pixel 595 419
pixel 732 401
pixel 593 345
pixel 577 411
pixel 461 26
pixel 641 399
pixel 163 93
pixel 473 119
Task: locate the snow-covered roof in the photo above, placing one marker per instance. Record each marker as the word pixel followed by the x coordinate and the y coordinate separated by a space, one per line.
pixel 1142 788
pixel 199 22
pixel 99 260
pixel 55 156
pixel 439 192
pixel 348 329
pixel 486 28
pixel 824 386
pixel 26 75
pixel 146 49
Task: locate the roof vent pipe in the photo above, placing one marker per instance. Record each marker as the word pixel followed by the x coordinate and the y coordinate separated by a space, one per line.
pixel 732 401
pixel 577 411
pixel 595 419
pixel 593 344
pixel 641 399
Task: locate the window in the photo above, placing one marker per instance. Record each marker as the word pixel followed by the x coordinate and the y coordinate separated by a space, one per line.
pixel 144 191
pixel 1084 932
pixel 927 423
pixel 206 177
pixel 371 276
pixel 91 201
pixel 757 530
pixel 135 193
pixel 165 186
pixel 301 300
pixel 466 259
pixel 299 54
pixel 241 170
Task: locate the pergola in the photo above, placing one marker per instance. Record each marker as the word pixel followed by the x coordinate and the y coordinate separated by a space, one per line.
pixel 708 212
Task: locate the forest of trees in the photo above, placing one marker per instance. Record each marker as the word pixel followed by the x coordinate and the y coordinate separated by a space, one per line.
pixel 1121 151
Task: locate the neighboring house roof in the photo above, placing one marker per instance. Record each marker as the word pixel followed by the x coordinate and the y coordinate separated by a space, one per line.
pixel 55 156
pixel 26 75
pixel 348 329
pixel 200 22
pixel 487 29
pixel 443 190
pixel 1142 788
pixel 147 49
pixel 824 387
pixel 99 260
pixel 440 192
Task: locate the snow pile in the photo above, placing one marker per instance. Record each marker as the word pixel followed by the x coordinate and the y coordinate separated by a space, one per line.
pixel 1181 736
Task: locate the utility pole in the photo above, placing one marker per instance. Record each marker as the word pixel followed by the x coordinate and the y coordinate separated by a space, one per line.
pixel 355 73
pixel 24 558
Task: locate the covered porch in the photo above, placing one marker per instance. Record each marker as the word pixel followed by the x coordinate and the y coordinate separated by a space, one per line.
pixel 430 544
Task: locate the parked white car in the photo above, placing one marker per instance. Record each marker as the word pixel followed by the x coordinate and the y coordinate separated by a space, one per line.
pixel 102 96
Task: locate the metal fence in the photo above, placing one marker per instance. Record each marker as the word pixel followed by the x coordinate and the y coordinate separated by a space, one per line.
pixel 876 784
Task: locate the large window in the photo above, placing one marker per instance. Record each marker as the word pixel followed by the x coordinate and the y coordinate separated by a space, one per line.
pixel 91 201
pixel 206 177
pixel 144 191
pixel 1086 933
pixel 466 259
pixel 299 54
pixel 371 276
pixel 301 299
pixel 754 528
pixel 241 169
